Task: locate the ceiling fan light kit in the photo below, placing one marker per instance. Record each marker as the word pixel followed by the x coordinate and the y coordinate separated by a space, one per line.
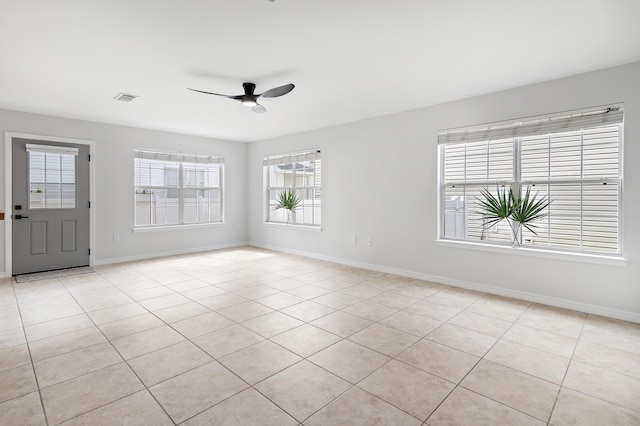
pixel 250 98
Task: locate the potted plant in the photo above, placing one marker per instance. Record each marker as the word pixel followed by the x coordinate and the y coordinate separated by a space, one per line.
pixel 289 201
pixel 516 209
pixel 36 195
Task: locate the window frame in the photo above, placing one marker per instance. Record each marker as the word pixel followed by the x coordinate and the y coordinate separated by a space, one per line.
pixel 293 158
pixel 42 188
pixel 181 186
pixel 518 183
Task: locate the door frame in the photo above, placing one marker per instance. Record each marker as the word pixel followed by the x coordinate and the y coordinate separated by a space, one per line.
pixel 8 190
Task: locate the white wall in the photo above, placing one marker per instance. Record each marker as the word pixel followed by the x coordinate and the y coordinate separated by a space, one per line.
pixel 404 227
pixel 113 186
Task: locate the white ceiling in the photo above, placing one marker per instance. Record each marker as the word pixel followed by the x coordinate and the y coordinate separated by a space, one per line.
pixel 349 59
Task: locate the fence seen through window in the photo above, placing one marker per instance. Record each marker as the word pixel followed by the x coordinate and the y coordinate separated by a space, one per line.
pixel 177 189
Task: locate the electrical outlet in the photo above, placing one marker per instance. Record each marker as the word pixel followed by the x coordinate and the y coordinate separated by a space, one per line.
pixel 369 242
pixel 354 240
pixel 116 238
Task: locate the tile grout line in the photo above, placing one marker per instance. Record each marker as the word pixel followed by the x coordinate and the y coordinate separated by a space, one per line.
pixel 186 339
pixel 564 376
pixel 33 364
pixel 442 323
pixel 458 385
pixel 121 356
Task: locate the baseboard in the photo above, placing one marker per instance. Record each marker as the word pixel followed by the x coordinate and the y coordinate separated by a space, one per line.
pixel 500 291
pixel 4 275
pixel 153 255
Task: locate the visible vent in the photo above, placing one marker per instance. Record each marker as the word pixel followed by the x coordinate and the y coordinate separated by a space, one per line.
pixel 125 97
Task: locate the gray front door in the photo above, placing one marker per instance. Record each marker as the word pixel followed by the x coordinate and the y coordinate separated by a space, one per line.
pixel 50 205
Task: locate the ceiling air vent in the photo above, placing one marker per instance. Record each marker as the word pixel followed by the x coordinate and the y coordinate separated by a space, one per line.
pixel 125 97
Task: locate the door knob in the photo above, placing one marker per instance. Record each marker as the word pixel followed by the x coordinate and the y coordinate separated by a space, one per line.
pixel 19 216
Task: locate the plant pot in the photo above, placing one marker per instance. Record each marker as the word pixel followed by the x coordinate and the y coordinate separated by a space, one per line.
pixel 516 229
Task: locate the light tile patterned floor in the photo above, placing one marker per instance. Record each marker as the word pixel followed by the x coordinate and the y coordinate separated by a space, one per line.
pixel 252 337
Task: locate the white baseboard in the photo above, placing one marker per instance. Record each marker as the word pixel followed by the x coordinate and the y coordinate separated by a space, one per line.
pixel 153 255
pixel 522 295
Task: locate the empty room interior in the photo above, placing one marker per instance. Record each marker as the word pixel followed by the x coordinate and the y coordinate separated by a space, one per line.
pixel 295 212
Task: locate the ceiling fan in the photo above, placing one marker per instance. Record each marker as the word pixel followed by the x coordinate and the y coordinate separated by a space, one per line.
pixel 250 98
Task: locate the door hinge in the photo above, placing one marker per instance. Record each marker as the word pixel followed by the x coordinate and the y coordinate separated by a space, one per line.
pixel 89 251
pixel 89 204
pixel 89 157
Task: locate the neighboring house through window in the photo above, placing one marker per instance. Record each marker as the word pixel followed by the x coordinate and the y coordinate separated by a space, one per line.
pixel 177 189
pixel 300 173
pixel 573 159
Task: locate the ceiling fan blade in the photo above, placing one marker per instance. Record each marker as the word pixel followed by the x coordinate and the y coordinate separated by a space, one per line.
pixel 249 99
pixel 216 94
pixel 278 91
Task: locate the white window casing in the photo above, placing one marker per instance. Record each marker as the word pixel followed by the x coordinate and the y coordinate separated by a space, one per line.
pixel 575 159
pixel 177 189
pixel 300 172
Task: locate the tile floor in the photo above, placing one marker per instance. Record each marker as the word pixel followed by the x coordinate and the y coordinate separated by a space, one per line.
pixel 248 336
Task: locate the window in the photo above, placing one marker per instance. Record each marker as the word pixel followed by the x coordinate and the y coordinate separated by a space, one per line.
pixel 177 189
pixel 574 159
pixel 300 173
pixel 52 177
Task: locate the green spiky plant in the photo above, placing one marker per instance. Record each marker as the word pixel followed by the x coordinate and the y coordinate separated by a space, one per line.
pixel 289 201
pixel 516 209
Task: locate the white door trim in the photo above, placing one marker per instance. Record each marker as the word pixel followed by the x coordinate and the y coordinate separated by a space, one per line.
pixel 8 191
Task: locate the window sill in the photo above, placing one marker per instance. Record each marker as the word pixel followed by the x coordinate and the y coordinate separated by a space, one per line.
pixel 532 252
pixel 177 227
pixel 300 227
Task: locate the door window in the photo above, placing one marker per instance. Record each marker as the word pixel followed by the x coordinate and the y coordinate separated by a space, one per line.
pixel 52 177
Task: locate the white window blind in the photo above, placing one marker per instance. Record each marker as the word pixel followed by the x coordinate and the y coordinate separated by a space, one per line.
pixel 292 157
pixel 52 149
pixel 577 168
pixel 532 127
pixel 52 176
pixel 301 173
pixel 179 157
pixel 177 188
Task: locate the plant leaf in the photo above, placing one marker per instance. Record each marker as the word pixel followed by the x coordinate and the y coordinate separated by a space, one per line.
pixel 495 208
pixel 511 207
pixel 287 200
pixel 530 209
